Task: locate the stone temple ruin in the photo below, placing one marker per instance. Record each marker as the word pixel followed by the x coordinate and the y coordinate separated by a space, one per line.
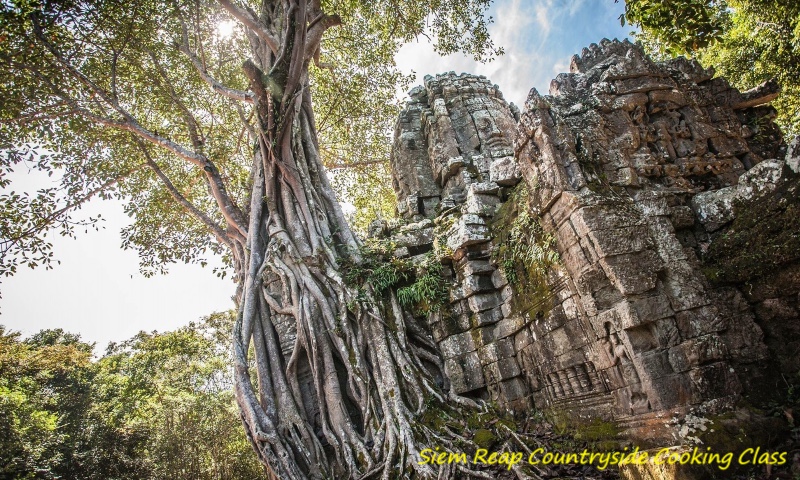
pixel 645 175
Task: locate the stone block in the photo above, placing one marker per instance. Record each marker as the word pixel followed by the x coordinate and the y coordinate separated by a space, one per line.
pixel 465 373
pixel 522 339
pixel 480 204
pixel 700 321
pixel 632 273
pixel 564 207
pixel 621 240
pixel 605 217
pixel 588 249
pixel 508 326
pixel 457 345
pixel 574 331
pixel 468 230
pixel 574 259
pixel 683 357
pixel 643 84
pixel 496 351
pixel 555 318
pixel 505 171
pixel 570 307
pixel 456 294
pixel 499 279
pixel 666 333
pixel 476 284
pixel 513 389
pixel 710 348
pixel 656 364
pixel 713 381
pixel 414 238
pixel 605 323
pixel 641 338
pixel 591 280
pixel 469 267
pixel 606 297
pixel 483 188
pixel 670 391
pixel 557 342
pixel 632 313
pixel 450 326
pixel 652 206
pixel 503 369
pixel 685 286
pixel 682 216
pixel 484 301
pixel 484 335
pixel 566 235
pixel 486 317
pixel 651 308
pixel 715 208
pixel 506 309
pixel 629 102
pixel 667 98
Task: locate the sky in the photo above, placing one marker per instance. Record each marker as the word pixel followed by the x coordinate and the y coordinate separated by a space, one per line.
pixel 97 290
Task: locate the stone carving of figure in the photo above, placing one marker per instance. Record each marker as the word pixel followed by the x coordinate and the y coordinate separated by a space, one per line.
pixel 490 133
pixel 638 399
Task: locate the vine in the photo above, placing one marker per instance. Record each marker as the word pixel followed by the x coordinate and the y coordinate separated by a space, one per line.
pixel 524 251
pixel 428 293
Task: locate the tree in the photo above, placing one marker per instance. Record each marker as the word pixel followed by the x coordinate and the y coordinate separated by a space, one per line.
pixel 46 405
pixel 127 415
pixel 174 389
pixel 746 41
pixel 112 96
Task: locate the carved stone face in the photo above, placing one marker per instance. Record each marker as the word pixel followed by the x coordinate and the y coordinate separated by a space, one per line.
pixel 493 132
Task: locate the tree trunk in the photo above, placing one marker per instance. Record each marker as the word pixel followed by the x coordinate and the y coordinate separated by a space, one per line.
pixel 339 376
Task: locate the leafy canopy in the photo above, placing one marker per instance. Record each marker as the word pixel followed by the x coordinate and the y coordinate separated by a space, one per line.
pixel 145 102
pixel 746 41
pixel 126 415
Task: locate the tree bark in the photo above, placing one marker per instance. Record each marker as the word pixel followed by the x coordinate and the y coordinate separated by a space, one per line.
pixel 341 399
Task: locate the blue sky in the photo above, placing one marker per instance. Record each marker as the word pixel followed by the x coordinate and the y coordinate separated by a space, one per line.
pixel 539 38
pixel 97 290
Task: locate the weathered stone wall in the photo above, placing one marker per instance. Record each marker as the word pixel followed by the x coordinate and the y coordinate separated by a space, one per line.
pixel 458 131
pixel 638 169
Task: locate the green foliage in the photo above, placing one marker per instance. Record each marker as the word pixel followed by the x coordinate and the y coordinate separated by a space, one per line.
pixel 762 42
pixel 155 406
pixel 580 432
pixel 378 268
pixel 746 41
pixel 681 25
pixel 764 236
pixel 524 251
pixel 78 75
pixel 421 288
pixel 428 292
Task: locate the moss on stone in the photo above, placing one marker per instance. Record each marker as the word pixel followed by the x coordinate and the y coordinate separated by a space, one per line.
pixel 599 434
pixel 525 253
pixel 484 438
pixel 764 236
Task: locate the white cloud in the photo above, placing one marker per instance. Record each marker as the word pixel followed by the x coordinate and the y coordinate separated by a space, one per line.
pixel 561 66
pixel 542 19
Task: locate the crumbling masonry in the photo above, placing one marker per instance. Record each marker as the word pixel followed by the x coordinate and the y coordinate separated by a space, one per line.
pixel 639 171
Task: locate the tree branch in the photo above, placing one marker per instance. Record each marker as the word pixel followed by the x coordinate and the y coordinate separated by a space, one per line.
pixel 186 204
pixel 315 30
pixel 215 85
pixel 233 215
pixel 251 22
pixel 50 219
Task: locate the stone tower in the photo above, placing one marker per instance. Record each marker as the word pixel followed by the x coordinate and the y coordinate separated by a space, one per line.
pixel 644 174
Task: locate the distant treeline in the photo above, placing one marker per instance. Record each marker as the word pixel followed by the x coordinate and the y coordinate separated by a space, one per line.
pixel 157 406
